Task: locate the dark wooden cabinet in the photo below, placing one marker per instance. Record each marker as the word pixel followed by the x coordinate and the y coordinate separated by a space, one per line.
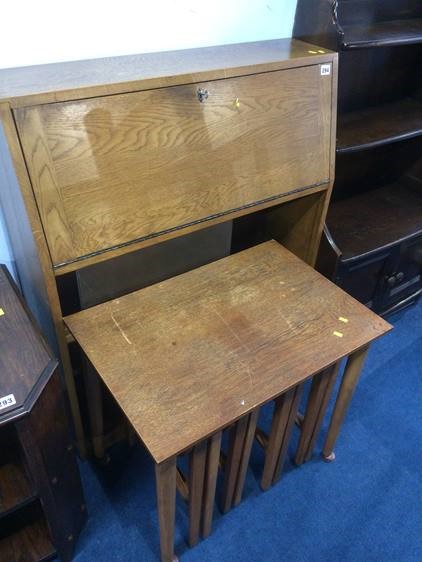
pixel 42 509
pixel 372 240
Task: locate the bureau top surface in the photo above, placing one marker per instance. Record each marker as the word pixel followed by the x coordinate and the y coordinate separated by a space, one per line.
pixel 25 362
pixel 186 357
pixel 88 78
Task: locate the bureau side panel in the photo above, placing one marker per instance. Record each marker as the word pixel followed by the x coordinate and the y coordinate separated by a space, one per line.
pixel 23 232
pixel 32 257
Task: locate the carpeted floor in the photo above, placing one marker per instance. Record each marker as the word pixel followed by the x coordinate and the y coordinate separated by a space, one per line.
pixel 366 506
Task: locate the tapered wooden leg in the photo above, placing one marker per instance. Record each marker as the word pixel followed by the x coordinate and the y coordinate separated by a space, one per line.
pixel 237 438
pixel 95 408
pixel 276 444
pixel 246 453
pixel 211 472
pixel 287 433
pixel 348 384
pixel 319 396
pixel 198 458
pixel 330 380
pixel 278 427
pixel 165 476
pixel 182 486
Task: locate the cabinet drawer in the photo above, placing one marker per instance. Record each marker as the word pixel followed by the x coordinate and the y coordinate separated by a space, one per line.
pixel 108 171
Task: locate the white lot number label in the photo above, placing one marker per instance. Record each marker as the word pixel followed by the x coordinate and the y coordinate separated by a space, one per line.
pixel 325 69
pixel 7 401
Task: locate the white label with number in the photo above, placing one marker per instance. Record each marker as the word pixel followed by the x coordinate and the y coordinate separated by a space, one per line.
pixel 7 401
pixel 325 69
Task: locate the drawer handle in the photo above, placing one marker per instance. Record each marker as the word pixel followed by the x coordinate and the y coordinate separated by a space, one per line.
pixel 202 94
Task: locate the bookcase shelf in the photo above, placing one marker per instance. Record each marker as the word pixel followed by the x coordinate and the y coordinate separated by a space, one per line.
pixel 24 537
pixel 399 217
pixel 15 489
pixel 376 126
pixel 382 34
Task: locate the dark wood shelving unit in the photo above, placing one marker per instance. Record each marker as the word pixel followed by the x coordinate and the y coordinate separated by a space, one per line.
pixel 372 243
pixel 39 476
pixel 358 235
pixel 15 490
pixel 375 126
pixel 15 487
pixel 24 537
pixel 382 34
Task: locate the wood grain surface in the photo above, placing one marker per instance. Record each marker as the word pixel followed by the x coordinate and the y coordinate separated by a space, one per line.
pixel 190 355
pixel 109 171
pixel 383 34
pixel 357 232
pixel 15 489
pixel 98 77
pixel 143 243
pixel 374 126
pixel 24 537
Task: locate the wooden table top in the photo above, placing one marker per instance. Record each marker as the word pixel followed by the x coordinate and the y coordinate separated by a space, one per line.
pixel 188 356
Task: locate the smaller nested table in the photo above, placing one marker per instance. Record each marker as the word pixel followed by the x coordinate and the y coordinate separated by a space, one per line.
pixel 190 356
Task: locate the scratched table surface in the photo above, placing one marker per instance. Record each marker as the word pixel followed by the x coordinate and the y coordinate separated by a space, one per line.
pixel 188 356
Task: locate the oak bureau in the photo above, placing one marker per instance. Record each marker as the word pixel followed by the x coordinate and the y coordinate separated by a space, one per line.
pixel 138 164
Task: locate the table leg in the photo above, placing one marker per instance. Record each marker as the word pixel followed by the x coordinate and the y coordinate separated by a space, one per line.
pixel 213 459
pixel 348 384
pixel 165 476
pixel 285 413
pixel 198 457
pixel 322 386
pixel 95 408
pixel 237 438
pixel 330 381
pixel 278 427
pixel 246 453
pixel 290 424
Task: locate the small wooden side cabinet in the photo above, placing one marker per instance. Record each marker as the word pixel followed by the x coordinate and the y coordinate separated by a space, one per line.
pixel 42 508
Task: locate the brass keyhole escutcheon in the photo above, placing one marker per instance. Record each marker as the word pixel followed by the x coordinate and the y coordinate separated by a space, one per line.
pixel 236 103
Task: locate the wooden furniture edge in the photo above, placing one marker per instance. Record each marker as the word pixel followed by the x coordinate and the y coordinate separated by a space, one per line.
pixel 129 247
pixel 161 459
pixel 333 141
pixel 45 283
pixel 313 55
